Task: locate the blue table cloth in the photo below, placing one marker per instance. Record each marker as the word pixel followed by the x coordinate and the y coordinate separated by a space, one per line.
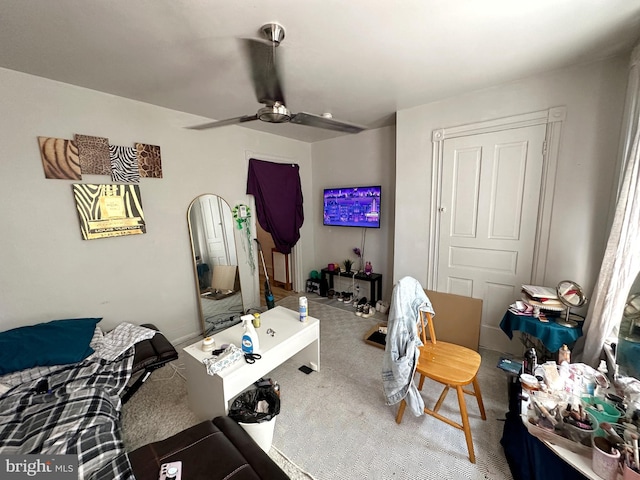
pixel 551 334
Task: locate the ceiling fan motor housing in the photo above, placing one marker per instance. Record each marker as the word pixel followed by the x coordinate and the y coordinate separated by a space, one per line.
pixel 276 113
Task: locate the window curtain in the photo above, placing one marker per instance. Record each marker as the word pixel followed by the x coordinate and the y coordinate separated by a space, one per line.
pixel 278 194
pixel 621 261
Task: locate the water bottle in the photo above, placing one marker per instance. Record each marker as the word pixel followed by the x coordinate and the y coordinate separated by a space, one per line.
pixel 302 307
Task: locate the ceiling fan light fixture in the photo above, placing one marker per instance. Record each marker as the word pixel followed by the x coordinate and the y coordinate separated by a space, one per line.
pixel 276 113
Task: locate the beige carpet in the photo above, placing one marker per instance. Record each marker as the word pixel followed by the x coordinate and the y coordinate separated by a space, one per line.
pixel 334 423
pixel 160 409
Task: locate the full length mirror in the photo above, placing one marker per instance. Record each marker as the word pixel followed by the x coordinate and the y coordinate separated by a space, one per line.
pixel 215 263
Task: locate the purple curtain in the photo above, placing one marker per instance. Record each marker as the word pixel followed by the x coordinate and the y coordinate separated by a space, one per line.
pixel 278 193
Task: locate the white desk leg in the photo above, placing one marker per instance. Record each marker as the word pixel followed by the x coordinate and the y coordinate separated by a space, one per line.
pixel 205 392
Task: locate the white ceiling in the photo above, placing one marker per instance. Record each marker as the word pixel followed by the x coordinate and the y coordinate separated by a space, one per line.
pixel 361 60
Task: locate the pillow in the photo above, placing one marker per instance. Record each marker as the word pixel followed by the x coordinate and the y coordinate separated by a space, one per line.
pixel 58 342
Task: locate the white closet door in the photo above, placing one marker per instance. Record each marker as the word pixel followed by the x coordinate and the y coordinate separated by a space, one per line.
pixel 488 213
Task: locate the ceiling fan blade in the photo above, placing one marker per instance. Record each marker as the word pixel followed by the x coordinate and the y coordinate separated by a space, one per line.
pixel 264 71
pixel 328 123
pixel 222 123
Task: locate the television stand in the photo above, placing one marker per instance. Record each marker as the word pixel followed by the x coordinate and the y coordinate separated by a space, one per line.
pixel 374 280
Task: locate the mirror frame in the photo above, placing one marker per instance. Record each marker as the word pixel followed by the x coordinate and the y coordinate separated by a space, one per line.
pixel 564 290
pixel 203 323
pixel 575 290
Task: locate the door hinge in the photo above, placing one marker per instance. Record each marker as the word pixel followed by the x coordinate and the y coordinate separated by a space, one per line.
pixel 544 148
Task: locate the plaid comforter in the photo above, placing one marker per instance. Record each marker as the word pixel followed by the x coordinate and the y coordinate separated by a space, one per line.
pixel 78 413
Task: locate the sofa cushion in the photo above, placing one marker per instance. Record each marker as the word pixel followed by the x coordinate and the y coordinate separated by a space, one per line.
pixel 58 342
pixel 207 452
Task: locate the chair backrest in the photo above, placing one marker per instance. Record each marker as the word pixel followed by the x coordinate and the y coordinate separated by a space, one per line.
pixel 428 318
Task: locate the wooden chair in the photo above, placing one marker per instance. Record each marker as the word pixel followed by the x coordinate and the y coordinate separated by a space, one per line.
pixel 453 366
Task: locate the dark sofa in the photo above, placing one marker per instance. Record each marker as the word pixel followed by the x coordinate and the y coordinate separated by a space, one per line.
pixel 212 450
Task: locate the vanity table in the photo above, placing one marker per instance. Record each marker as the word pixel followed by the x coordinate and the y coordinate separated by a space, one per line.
pixel 530 458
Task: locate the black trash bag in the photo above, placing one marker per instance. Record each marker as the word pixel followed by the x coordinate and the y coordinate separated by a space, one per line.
pixel 243 408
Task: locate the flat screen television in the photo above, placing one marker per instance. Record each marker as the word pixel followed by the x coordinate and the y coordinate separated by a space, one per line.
pixel 352 207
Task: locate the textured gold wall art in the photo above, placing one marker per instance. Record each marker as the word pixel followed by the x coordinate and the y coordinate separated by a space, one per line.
pixel 59 158
pixel 109 210
pixel 94 155
pixel 149 160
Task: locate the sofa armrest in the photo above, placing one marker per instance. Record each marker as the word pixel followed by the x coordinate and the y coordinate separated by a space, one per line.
pixel 257 458
pixel 149 355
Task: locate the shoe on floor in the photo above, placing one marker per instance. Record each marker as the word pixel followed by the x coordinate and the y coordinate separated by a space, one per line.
pixel 368 311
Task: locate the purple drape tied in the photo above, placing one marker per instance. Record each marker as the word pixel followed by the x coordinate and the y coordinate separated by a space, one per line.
pixel 278 193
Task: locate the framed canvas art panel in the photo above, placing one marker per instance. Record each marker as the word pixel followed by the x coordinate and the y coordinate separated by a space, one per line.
pixel 109 210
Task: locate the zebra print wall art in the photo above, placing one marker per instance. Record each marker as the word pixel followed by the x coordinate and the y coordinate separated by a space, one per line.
pixel 109 210
pixel 124 164
pixel 60 158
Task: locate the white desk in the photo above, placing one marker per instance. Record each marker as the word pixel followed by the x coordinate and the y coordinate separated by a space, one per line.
pixel 210 395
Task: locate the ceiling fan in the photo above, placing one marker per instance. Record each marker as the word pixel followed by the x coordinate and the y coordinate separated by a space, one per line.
pixel 267 85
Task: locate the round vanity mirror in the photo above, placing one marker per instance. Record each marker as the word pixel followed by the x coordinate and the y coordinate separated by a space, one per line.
pixel 572 296
pixel 215 263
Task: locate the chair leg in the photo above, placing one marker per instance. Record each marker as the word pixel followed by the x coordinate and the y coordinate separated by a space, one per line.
pixel 465 423
pixel 421 384
pixel 441 399
pixel 478 395
pixel 403 405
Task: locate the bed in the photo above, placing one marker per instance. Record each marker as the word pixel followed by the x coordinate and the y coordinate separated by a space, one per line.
pixel 62 385
pixel 70 408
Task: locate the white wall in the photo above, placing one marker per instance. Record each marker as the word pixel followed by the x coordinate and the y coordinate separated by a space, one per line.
pixel 593 95
pixel 47 271
pixel 367 158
